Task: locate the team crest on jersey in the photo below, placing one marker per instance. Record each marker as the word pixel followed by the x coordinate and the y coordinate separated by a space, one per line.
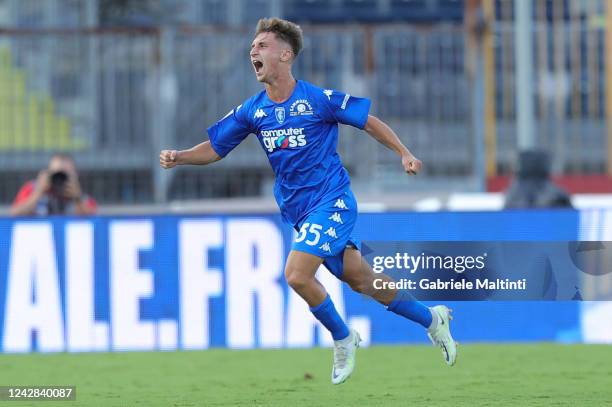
pixel 300 107
pixel 279 112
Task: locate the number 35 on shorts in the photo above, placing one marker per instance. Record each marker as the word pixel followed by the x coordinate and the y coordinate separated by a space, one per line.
pixel 312 231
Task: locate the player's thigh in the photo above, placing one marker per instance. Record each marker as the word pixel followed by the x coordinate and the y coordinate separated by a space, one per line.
pixel 301 266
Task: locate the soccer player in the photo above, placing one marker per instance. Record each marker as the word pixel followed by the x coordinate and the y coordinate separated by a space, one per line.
pixel 296 123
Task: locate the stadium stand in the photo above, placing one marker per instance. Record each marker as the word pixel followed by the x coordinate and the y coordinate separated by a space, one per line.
pixel 118 90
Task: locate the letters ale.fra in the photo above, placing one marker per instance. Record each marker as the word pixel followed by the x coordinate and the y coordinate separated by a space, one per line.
pixel 153 283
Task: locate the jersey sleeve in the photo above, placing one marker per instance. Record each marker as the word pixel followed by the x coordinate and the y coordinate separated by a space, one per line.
pixel 344 108
pixel 228 132
pixel 24 193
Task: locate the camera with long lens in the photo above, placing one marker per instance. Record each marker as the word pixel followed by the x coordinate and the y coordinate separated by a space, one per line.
pixel 58 182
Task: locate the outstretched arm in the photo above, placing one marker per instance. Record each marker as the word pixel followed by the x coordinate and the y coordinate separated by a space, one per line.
pixel 200 154
pixel 387 137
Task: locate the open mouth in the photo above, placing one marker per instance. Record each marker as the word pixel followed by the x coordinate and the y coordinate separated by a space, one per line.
pixel 257 65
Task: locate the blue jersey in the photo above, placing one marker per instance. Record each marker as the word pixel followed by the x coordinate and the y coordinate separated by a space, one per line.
pixel 300 137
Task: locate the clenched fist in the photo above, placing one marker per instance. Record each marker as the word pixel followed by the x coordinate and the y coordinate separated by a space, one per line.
pixel 168 158
pixel 412 165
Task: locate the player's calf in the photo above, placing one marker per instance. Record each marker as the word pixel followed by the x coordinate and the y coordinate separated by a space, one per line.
pixel 300 274
pixel 359 276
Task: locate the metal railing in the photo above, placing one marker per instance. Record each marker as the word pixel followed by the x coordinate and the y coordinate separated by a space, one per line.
pixel 126 93
pixel 114 97
pixel 568 45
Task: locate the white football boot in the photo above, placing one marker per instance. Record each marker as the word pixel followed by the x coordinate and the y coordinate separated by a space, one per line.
pixel 441 335
pixel 344 357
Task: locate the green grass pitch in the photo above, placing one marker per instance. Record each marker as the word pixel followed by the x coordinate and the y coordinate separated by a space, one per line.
pixel 485 375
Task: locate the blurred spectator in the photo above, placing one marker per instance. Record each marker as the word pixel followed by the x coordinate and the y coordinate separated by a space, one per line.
pixel 56 191
pixel 532 186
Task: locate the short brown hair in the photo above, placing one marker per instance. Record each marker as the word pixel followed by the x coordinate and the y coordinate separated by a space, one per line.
pixel 285 30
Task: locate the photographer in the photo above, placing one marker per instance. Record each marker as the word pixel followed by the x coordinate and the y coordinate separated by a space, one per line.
pixel 56 191
pixel 533 186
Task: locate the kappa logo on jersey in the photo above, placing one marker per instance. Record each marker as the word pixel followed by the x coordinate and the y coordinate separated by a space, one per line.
pixel 259 113
pixel 300 107
pixel 283 138
pixel 279 112
pixel 328 93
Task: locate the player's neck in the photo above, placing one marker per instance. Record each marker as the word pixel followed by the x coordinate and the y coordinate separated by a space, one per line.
pixel 281 89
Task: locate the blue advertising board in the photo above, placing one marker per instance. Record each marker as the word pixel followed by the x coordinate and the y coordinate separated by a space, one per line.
pixel 194 282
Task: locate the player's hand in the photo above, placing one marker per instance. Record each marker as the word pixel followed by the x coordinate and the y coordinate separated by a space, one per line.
pixel 412 165
pixel 168 158
pixel 43 182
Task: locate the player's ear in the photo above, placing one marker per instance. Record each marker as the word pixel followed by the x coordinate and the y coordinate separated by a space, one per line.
pixel 286 55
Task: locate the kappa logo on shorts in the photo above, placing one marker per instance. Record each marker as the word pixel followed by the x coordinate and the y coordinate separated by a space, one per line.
pixel 331 232
pixel 325 247
pixel 336 217
pixel 340 204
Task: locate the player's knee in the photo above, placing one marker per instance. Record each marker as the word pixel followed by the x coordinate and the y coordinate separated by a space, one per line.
pixel 296 278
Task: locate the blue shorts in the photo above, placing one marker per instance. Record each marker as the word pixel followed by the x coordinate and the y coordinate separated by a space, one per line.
pixel 327 231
